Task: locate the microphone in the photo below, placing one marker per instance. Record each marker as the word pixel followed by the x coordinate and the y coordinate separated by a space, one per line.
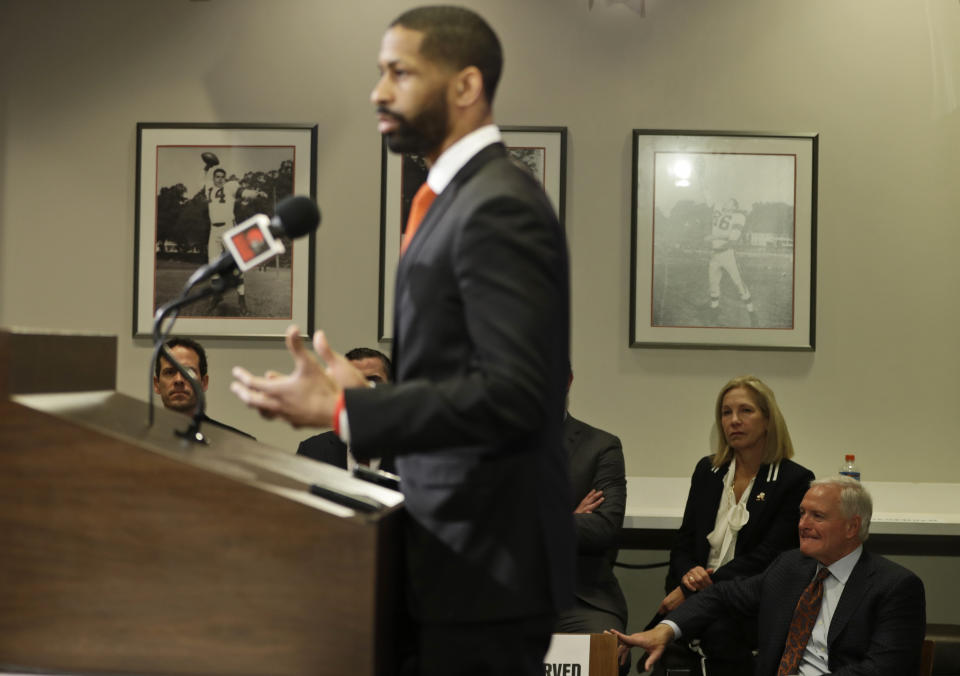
pixel 296 216
pixel 252 242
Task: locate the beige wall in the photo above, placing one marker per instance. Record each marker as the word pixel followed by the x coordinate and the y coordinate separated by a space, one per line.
pixel 874 79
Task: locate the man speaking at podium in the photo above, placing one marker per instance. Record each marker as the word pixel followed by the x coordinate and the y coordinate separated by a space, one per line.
pixel 481 342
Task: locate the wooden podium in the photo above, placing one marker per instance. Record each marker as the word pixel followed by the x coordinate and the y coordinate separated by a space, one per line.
pixel 125 550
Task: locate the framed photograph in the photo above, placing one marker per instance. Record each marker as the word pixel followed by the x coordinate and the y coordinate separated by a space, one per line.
pixel 724 240
pixel 540 150
pixel 195 182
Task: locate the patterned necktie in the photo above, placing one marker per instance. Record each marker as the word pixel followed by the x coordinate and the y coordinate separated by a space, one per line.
pixel 804 617
pixel 418 209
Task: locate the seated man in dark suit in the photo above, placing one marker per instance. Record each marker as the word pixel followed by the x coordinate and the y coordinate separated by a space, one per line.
pixel 599 482
pixel 829 607
pixel 328 447
pixel 175 391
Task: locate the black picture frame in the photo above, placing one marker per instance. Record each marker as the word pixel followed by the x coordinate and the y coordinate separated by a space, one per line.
pixel 173 230
pixel 723 240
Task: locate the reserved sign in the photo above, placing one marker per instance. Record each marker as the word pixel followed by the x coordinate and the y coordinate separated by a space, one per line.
pixel 568 655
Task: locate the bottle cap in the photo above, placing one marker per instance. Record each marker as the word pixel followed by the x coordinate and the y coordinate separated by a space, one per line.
pixel 850 457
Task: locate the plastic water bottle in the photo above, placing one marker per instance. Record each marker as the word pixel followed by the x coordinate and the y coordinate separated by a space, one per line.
pixel 849 467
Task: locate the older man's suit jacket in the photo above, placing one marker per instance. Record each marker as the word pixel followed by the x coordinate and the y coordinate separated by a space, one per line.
pixel 877 628
pixel 596 461
pixel 481 345
pixel 327 447
pixel 773 504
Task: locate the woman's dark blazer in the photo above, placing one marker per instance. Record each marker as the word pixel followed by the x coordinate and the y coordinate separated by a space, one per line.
pixel 773 505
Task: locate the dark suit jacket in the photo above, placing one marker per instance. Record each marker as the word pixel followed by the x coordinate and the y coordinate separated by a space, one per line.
pixel 327 447
pixel 773 505
pixel 877 627
pixel 596 461
pixel 216 423
pixel 480 351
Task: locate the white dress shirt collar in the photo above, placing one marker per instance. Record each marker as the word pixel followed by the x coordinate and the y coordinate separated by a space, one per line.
pixel 456 156
pixel 816 655
pixel 842 568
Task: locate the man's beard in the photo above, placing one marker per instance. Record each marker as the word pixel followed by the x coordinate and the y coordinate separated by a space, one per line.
pixel 423 133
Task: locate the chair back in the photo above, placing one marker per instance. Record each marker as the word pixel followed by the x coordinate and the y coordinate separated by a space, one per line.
pixel 926 658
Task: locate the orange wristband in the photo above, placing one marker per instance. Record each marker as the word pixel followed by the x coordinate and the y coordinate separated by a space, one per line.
pixel 337 410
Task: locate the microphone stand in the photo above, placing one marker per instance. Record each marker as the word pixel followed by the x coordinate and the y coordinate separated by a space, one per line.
pixel 218 284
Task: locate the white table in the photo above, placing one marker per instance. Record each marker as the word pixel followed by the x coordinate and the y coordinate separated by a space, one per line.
pixel 899 508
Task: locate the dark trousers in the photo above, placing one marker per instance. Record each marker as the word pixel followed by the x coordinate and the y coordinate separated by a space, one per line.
pixel 583 618
pixel 504 648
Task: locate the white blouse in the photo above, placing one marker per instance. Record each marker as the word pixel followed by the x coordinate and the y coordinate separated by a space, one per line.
pixel 732 515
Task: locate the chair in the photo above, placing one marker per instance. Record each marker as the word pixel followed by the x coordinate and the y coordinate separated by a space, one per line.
pixel 926 658
pixel 946 637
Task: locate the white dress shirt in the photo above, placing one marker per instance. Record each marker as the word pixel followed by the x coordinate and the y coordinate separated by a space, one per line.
pixel 353 462
pixel 456 156
pixel 816 658
pixel 732 515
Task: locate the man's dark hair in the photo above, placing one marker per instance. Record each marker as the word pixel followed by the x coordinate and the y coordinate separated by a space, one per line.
pixel 458 37
pixel 358 353
pixel 190 344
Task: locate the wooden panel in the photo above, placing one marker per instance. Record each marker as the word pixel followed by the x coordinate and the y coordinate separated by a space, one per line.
pixel 56 362
pixel 603 655
pixel 119 559
pixel 4 364
pixel 926 658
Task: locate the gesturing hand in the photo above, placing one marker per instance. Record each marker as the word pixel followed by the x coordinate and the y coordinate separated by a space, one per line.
pixel 306 396
pixel 339 368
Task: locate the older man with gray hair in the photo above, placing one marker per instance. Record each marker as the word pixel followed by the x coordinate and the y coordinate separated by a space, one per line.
pixel 829 607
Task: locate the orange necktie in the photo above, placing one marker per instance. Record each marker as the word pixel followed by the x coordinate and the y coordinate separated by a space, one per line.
pixel 804 617
pixel 418 209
